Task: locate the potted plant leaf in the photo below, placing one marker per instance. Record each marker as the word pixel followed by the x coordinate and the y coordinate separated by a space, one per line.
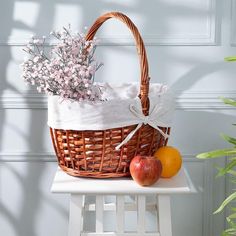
pixel 229 170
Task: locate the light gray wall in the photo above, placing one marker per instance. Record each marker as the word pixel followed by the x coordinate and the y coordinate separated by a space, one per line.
pixel 186 42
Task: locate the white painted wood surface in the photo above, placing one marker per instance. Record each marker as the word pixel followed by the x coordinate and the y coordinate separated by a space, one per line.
pixel 77 208
pixel 181 183
pixel 164 215
pixel 117 234
pixel 120 210
pixel 128 206
pixel 99 213
pixel 75 222
pixel 64 183
pixel 141 211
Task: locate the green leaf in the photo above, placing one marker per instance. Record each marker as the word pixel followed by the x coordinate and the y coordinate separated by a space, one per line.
pixel 229 139
pixel 232 216
pixel 225 234
pixel 229 166
pixel 229 101
pixel 233 208
pixel 231 223
pixel 226 202
pixel 233 180
pixel 230 58
pixel 217 153
pixel 232 229
pixel 228 232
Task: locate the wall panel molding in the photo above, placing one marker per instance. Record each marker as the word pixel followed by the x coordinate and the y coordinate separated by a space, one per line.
pixel 23 100
pixel 233 23
pixel 185 100
pixel 27 157
pixel 203 100
pixel 205 38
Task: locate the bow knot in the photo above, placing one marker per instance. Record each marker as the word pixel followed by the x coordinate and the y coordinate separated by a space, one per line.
pixel 152 119
pixel 146 120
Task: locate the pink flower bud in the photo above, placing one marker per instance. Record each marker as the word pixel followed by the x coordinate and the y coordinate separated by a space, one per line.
pixel 36 59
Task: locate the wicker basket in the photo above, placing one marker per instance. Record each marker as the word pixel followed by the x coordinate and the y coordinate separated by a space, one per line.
pixel 92 153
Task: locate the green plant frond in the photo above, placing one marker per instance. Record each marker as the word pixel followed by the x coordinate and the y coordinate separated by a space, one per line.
pixel 217 153
pixel 226 202
pixel 229 232
pixel 232 216
pixel 233 209
pixel 229 139
pixel 219 170
pixel 233 58
pixel 224 234
pixel 229 101
pixel 225 170
pixel 231 223
pixel 232 180
pixel 231 172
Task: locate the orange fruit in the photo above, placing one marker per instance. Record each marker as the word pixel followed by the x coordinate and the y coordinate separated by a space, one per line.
pixel 171 160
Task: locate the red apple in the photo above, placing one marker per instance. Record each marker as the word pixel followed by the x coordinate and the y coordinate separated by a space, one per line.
pixel 145 170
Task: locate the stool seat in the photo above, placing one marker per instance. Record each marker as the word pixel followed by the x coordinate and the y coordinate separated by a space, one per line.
pixel 78 188
pixel 64 183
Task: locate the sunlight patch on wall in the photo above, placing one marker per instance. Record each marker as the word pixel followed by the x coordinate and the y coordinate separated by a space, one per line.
pixel 27 21
pixel 68 14
pixel 32 9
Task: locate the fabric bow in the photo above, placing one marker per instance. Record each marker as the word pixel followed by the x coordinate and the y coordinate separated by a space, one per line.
pixel 153 119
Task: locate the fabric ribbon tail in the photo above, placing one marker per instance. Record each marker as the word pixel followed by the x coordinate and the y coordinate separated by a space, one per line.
pixel 128 137
pixel 162 133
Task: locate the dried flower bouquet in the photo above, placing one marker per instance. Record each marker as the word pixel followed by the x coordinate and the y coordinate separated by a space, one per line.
pixel 67 69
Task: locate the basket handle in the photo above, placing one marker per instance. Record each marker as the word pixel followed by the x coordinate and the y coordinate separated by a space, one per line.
pixel 144 85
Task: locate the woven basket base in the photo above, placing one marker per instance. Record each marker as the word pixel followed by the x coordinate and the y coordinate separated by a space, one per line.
pixel 92 153
pixel 89 174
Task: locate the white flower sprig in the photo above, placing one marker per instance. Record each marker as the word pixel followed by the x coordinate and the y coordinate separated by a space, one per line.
pixel 67 70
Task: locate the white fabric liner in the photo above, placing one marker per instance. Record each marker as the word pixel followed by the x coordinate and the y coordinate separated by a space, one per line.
pixel 114 112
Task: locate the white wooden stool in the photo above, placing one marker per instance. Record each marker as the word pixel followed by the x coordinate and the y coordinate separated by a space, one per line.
pixel 80 187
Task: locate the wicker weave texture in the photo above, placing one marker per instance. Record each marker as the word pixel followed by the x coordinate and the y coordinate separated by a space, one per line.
pixel 92 153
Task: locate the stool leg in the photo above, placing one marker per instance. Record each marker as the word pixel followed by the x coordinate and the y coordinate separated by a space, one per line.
pixel 141 214
pixel 99 213
pixel 164 215
pixel 120 213
pixel 75 218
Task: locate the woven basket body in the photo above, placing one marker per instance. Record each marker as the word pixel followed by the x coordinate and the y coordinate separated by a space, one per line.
pixel 92 153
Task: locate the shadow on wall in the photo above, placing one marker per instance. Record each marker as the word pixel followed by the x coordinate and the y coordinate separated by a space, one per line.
pixel 29 205
pixel 24 224
pixel 45 19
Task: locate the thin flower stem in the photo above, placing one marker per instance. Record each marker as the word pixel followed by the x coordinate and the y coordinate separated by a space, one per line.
pixel 66 70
